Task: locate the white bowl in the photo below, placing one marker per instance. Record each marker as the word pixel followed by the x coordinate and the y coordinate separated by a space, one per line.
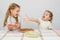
pixel 32 34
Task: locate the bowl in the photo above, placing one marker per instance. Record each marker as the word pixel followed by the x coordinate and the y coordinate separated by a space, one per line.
pixel 32 34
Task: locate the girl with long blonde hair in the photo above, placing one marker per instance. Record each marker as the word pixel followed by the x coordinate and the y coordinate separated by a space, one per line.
pixel 11 17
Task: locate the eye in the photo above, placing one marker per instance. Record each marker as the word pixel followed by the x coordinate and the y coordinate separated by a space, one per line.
pixel 46 14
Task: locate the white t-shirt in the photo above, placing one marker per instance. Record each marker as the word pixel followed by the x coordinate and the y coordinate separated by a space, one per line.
pixel 12 20
pixel 44 24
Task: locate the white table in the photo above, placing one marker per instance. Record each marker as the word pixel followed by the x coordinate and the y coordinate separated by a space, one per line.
pixel 15 35
pixel 50 35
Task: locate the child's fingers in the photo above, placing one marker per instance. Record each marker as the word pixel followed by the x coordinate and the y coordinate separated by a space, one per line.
pixel 16 25
pixel 25 20
pixel 26 16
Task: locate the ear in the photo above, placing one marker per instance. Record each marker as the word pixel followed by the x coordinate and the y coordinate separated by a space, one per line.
pixel 11 10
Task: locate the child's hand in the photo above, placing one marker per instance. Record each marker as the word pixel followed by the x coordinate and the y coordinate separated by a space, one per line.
pixel 17 25
pixel 26 19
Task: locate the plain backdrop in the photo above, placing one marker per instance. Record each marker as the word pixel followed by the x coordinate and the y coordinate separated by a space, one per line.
pixel 34 9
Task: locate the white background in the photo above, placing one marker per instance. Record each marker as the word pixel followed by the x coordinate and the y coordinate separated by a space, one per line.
pixel 34 8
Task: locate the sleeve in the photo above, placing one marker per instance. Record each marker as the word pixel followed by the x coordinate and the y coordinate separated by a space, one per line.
pixel 11 21
pixel 39 20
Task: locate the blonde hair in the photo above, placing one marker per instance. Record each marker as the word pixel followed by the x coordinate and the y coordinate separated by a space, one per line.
pixel 8 13
pixel 51 15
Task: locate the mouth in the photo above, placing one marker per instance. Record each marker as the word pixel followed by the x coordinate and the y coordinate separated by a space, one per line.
pixel 43 16
pixel 16 14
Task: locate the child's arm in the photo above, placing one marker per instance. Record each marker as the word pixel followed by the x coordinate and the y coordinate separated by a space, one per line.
pixel 32 19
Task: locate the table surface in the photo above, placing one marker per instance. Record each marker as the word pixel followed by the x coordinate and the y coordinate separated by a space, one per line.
pixel 15 35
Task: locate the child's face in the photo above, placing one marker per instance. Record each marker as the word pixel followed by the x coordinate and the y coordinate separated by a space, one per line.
pixel 46 16
pixel 15 12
